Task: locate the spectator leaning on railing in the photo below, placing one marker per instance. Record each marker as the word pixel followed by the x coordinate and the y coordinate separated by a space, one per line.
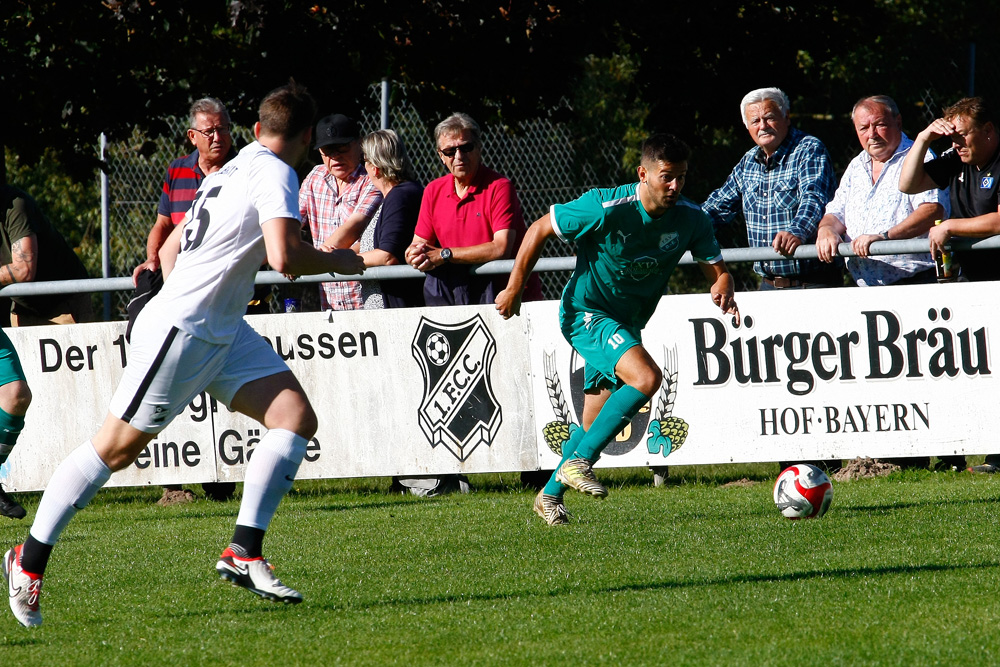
pixel 470 216
pixel 210 132
pixel 971 168
pixel 32 250
pixel 781 187
pixel 868 207
pixel 337 201
pixel 385 239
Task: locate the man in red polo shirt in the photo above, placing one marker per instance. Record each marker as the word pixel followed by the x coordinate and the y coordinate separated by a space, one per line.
pixel 470 216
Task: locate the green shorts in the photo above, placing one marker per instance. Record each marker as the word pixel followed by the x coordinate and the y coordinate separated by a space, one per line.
pixel 10 365
pixel 601 341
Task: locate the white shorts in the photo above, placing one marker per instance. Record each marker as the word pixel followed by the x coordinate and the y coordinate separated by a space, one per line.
pixel 167 368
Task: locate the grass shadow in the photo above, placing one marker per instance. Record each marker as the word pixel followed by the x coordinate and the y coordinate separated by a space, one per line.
pixel 807 575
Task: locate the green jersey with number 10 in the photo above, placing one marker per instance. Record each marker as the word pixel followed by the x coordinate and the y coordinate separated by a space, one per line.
pixel 625 256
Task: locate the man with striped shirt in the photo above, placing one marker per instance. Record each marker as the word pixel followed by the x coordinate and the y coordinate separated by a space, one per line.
pixel 210 132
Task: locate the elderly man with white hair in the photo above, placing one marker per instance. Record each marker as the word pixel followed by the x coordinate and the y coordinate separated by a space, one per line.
pixel 781 187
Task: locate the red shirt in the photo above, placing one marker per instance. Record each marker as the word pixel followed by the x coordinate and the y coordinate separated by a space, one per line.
pixel 489 205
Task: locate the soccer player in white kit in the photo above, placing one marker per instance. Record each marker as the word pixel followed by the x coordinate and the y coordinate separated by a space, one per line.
pixel 192 337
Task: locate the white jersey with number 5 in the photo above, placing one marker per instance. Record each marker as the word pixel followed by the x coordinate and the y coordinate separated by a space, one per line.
pixel 222 245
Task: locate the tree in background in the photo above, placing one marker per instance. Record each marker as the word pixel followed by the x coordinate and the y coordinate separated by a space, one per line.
pixel 74 70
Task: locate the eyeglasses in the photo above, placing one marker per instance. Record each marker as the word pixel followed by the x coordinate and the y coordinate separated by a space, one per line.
pixel 465 148
pixel 335 149
pixel 221 130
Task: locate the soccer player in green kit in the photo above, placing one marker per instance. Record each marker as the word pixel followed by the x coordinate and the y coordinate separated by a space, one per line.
pixel 629 239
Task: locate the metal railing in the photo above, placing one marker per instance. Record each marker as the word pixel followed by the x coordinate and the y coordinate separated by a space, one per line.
pixel 545 264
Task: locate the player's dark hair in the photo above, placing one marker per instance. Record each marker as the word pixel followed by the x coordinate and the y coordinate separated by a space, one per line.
pixel 973 108
pixel 664 148
pixel 287 111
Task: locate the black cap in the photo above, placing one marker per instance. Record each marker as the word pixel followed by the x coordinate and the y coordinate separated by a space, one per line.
pixel 335 129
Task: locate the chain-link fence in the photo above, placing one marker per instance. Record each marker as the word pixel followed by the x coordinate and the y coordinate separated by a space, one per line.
pixel 539 156
pixel 549 161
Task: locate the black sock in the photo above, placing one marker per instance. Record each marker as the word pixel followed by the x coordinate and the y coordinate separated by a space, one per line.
pixel 35 556
pixel 250 542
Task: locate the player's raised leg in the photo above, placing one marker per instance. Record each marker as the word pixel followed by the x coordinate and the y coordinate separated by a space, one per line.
pixel 279 403
pixel 641 377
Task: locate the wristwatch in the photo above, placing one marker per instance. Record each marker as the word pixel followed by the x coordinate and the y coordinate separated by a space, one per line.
pixel 445 254
pixel 885 235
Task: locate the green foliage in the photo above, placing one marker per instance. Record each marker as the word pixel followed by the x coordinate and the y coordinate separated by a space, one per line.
pixel 607 111
pixel 898 572
pixel 74 70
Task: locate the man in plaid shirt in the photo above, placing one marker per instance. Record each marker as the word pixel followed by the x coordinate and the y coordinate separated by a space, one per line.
pixel 337 200
pixel 781 186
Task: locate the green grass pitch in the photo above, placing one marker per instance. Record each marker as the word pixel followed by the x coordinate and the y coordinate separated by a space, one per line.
pixel 903 570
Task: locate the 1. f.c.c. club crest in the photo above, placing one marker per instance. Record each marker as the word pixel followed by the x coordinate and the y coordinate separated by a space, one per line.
pixel 663 433
pixel 458 408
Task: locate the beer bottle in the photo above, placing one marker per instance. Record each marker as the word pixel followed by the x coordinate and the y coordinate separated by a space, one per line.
pixel 943 265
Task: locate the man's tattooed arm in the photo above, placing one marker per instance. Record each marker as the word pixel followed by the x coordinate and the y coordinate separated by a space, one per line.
pixel 22 255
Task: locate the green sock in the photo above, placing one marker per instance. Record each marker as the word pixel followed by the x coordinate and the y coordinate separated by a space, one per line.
pixel 10 428
pixel 622 405
pixel 554 487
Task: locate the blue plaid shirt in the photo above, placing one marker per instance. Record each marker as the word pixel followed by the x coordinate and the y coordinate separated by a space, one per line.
pixel 786 192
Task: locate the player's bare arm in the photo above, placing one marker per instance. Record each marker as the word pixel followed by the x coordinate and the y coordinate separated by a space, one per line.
pixel 912 178
pixel 23 261
pixel 287 253
pixel 723 294
pixel 158 235
pixel 508 301
pixel 170 248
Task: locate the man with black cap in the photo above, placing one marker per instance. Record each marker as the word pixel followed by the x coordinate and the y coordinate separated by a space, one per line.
pixel 337 200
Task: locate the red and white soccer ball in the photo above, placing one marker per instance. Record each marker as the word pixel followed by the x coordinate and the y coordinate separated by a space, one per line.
pixel 803 491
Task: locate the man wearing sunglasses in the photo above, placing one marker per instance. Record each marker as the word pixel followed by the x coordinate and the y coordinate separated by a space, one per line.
pixel 470 216
pixel 337 200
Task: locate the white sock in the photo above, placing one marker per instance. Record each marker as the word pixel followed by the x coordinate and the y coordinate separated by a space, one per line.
pixel 74 484
pixel 269 476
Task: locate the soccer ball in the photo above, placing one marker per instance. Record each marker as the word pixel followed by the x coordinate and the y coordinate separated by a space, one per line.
pixel 803 491
pixel 438 349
